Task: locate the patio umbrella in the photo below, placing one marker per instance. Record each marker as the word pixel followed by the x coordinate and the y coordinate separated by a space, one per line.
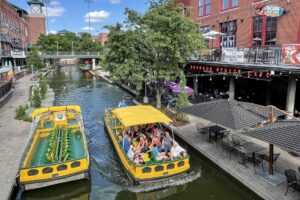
pixel 212 34
pixel 229 113
pixel 284 134
pixel 6 64
pixel 9 64
pixel 176 89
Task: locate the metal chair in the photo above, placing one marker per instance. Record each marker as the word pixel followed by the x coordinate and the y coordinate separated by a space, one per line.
pixel 291 178
pixel 265 159
pixel 200 129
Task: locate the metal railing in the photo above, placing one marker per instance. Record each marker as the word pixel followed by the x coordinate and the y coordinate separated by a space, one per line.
pixel 255 55
pixel 5 53
pixel 70 53
pixel 5 88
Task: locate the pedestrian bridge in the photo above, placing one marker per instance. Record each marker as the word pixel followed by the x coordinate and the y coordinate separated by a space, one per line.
pixel 62 55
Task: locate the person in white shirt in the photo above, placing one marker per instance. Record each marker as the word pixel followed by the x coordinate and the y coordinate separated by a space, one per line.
pixel 176 150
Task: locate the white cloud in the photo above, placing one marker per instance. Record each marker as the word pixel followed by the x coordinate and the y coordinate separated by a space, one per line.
pixel 97 16
pixel 54 3
pixel 86 28
pixel 52 20
pixel 54 9
pixel 115 1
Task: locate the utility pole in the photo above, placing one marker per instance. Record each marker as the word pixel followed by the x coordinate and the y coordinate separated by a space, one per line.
pixel 57 48
pixel 46 8
pixel 89 2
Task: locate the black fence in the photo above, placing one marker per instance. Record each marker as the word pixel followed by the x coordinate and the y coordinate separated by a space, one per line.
pixel 5 88
pixel 259 55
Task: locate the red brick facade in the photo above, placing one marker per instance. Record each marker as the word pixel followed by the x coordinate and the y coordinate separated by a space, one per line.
pixel 13 25
pixel 36 27
pixel 103 37
pixel 287 31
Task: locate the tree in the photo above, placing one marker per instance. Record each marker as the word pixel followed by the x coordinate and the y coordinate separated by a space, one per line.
pixel 68 42
pixel 43 86
pixel 34 59
pixel 152 46
pixel 182 101
pixel 36 99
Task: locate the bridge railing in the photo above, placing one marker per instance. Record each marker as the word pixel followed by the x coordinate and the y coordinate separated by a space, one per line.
pixel 70 53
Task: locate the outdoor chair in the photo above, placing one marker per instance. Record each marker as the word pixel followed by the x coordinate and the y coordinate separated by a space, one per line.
pixel 292 182
pixel 201 130
pixel 227 145
pixel 265 159
pixel 221 136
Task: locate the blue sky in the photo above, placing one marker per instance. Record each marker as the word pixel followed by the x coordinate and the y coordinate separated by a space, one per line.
pixel 73 14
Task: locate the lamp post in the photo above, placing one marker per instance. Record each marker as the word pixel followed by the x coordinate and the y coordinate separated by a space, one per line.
pixel 72 48
pixel 146 99
pixel 57 48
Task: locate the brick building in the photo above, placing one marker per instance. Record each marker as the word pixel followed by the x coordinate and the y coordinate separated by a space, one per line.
pixel 256 59
pixel 103 37
pixel 243 25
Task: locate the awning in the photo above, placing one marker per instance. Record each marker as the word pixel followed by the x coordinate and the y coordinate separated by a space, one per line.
pixel 284 134
pixel 230 113
pixel 136 115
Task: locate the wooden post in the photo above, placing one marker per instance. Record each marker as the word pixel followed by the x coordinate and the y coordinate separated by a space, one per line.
pixel 271 148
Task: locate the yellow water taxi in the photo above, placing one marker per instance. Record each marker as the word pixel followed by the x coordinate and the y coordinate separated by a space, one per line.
pixel 119 120
pixel 57 151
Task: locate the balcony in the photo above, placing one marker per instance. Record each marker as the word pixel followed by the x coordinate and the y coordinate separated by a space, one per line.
pixel 253 55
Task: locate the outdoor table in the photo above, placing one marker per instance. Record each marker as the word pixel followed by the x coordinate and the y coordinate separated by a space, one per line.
pixel 248 148
pixel 214 129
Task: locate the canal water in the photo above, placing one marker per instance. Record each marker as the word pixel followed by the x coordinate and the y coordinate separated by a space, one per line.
pixel 108 181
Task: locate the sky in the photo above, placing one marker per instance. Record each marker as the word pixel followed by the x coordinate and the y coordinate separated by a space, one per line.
pixel 72 15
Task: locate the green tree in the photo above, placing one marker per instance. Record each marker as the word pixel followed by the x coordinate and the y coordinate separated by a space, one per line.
pixel 182 101
pixel 153 45
pixel 34 59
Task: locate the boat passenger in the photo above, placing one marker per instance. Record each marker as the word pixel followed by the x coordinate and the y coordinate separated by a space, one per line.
pixel 131 151
pixel 156 141
pixel 158 155
pixel 166 143
pixel 127 143
pixel 177 151
pixel 137 159
pixel 122 104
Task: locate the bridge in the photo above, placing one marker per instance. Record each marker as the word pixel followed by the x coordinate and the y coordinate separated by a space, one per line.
pixel 62 55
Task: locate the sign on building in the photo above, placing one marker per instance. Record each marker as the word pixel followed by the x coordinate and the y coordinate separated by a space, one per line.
pixel 271 11
pixel 18 54
pixel 291 53
pixel 233 55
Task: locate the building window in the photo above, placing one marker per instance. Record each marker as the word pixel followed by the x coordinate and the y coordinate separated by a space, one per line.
pixel 229 4
pixel 271 31
pixel 204 7
pixel 264 31
pixel 257 31
pixel 229 29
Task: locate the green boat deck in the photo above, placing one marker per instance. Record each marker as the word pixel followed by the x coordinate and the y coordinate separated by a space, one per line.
pixel 61 145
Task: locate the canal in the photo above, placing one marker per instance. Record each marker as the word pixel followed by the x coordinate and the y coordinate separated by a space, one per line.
pixel 108 181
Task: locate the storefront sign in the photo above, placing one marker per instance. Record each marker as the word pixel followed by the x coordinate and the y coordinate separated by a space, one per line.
pixel 271 11
pixel 232 55
pixel 18 54
pixel 291 53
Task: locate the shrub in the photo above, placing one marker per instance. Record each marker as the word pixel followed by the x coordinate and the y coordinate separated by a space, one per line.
pixel 36 99
pixel 20 112
pixel 182 101
pixel 43 86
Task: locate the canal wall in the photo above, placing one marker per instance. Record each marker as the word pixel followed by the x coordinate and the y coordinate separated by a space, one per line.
pixel 13 138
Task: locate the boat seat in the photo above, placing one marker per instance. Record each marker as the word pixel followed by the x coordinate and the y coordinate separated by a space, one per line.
pixel 145 157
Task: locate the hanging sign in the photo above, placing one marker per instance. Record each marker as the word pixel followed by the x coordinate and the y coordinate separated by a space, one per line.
pixel 232 55
pixel 271 11
pixel 291 53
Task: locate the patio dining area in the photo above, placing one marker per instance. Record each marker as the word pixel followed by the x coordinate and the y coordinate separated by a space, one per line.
pixel 234 136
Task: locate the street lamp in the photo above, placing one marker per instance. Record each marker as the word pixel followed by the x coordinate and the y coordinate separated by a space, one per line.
pixel 72 48
pixel 57 48
pixel 146 99
pixel 88 2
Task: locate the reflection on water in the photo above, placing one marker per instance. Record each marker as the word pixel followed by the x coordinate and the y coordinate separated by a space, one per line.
pixel 108 180
pixel 78 190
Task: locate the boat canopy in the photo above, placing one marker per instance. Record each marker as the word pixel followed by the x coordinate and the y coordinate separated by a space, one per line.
pixel 136 115
pixel 55 109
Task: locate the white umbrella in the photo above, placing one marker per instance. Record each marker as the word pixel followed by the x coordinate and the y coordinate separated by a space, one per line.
pixel 9 64
pixel 5 64
pixel 257 39
pixel 213 34
pixel 272 40
pixel 209 38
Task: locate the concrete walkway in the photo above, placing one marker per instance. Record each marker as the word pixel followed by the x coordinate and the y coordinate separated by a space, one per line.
pixel 246 176
pixel 14 135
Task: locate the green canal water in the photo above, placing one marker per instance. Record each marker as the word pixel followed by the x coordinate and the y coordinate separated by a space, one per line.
pixel 108 181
